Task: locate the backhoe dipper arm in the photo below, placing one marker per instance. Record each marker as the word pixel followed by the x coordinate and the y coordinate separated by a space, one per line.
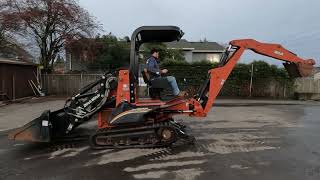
pixel 217 76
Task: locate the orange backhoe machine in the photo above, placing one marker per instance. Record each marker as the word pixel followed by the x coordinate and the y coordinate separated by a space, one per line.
pixel 126 120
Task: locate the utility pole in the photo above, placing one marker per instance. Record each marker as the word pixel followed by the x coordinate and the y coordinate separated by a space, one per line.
pixel 251 77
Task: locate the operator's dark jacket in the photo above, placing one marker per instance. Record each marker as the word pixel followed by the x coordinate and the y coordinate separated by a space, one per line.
pixel 153 67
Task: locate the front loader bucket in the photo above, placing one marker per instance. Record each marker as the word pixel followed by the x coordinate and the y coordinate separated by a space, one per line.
pixel 298 70
pixel 45 128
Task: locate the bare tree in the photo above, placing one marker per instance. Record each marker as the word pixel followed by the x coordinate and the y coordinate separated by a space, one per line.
pixel 2 32
pixel 5 37
pixel 50 22
pixel 2 36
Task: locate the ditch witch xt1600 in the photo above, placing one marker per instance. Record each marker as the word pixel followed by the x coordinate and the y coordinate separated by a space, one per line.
pixel 125 120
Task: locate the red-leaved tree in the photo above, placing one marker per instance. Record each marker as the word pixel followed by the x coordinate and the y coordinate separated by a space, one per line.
pixel 50 23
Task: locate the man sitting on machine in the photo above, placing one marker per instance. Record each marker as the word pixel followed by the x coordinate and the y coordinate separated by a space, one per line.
pixel 155 72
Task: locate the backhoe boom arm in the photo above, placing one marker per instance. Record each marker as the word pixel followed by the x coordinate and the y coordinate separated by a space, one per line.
pixel 295 66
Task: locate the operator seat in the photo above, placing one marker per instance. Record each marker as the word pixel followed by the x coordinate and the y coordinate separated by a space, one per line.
pixel 155 85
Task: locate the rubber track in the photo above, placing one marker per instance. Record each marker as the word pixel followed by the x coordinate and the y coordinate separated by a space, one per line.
pixel 156 126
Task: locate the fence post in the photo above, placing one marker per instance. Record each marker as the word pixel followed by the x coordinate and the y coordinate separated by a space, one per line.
pixel 318 86
pixel 3 84
pixel 251 77
pixel 65 82
pixel 13 88
pixel 81 85
pixel 284 89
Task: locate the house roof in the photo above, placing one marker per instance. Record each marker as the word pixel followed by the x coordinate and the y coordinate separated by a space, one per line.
pixel 196 46
pixel 16 62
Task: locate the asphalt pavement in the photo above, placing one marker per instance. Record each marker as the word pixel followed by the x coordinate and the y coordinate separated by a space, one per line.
pixel 239 139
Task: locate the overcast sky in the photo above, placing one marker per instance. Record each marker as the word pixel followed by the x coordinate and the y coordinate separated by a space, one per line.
pixel 293 23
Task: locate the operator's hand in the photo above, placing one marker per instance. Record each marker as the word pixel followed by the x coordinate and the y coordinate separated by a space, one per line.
pixel 164 71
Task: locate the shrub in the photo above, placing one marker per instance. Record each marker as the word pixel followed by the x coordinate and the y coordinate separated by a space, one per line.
pixel 192 75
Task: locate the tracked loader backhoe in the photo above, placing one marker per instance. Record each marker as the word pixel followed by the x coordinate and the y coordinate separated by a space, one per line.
pixel 126 120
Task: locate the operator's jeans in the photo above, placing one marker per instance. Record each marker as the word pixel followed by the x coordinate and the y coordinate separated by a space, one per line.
pixel 173 83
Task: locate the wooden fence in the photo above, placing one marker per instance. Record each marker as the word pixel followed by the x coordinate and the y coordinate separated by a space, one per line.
pixel 308 88
pixel 15 81
pixel 69 84
pixel 66 84
pixel 307 85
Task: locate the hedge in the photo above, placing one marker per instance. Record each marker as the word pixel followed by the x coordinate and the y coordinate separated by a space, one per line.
pixel 191 75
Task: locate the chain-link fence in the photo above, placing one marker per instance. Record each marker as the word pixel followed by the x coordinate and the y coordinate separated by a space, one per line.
pixel 191 77
pixel 268 88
